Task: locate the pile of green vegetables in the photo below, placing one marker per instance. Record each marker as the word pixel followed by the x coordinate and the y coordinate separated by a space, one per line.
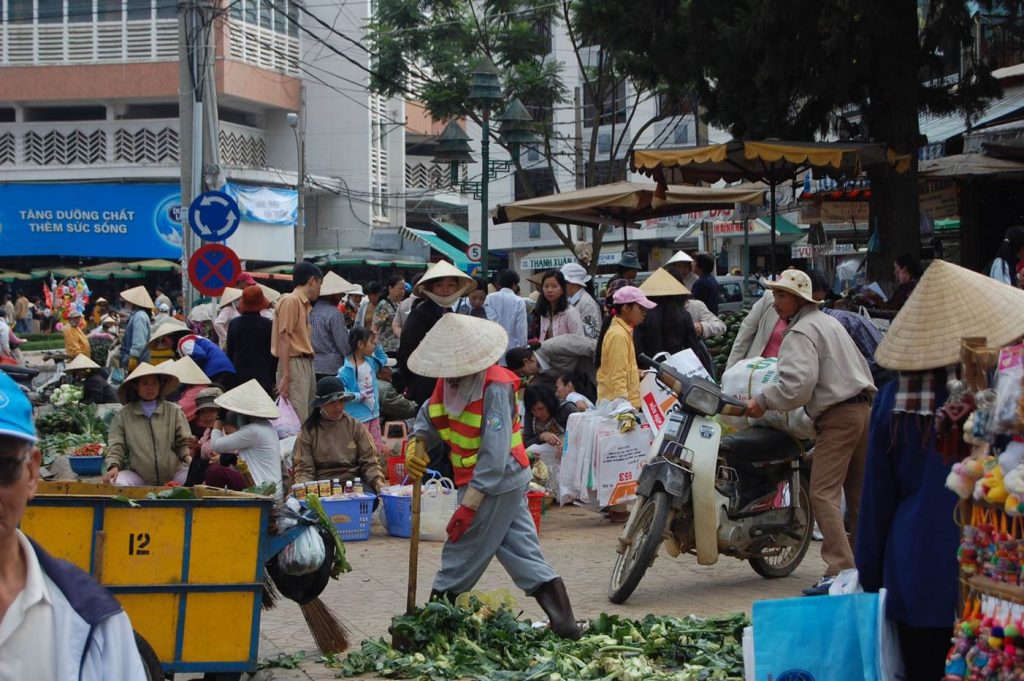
pixel 721 346
pixel 68 427
pixel 476 641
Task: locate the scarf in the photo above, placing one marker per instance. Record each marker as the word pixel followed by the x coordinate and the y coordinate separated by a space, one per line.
pixel 149 408
pixel 915 390
pixel 459 392
pixel 444 301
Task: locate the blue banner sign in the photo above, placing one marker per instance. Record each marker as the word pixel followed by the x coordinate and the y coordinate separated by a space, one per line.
pixel 265 204
pixel 91 220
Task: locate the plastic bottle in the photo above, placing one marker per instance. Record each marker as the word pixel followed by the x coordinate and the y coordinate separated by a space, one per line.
pixel 348 488
pixel 336 488
pixel 357 486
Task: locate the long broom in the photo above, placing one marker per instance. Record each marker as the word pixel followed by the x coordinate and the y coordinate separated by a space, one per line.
pixel 329 633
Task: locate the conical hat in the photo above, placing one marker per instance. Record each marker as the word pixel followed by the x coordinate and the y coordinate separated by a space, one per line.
pixel 950 303
pixel 139 297
pixel 228 296
pixel 81 363
pixel 147 369
pixel 334 285
pixel 249 399
pixel 188 372
pixel 271 294
pixel 662 283
pixel 458 345
pixel 169 327
pixel 680 256
pixel 440 270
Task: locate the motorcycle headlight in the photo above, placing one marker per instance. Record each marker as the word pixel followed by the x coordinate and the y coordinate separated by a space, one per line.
pixel 701 400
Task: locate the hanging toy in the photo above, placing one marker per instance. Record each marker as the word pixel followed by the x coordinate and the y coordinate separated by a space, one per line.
pixel 949 426
pixel 964 475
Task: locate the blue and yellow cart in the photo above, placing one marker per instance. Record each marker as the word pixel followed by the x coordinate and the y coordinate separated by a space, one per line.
pixel 189 572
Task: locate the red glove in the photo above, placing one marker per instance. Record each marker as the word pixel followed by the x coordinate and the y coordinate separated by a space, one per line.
pixel 460 522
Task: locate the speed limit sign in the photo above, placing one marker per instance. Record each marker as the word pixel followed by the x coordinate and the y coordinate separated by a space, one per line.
pixel 474 252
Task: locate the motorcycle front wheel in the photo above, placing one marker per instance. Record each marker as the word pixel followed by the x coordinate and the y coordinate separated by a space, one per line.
pixel 646 537
pixel 789 557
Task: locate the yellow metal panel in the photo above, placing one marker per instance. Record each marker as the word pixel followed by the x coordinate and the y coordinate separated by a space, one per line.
pixel 218 627
pixel 155 617
pixel 63 531
pixel 143 545
pixel 219 532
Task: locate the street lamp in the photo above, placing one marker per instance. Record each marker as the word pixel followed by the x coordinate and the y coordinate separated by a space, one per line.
pixel 453 143
pixel 300 184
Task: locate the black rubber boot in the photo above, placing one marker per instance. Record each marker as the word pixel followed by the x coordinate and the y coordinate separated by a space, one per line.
pixel 449 596
pixel 555 602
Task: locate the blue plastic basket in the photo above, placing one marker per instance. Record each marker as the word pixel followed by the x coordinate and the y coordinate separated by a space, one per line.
pixel 398 514
pixel 351 517
pixel 86 465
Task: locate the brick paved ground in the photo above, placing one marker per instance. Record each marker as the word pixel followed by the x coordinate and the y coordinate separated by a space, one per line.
pixel 580 545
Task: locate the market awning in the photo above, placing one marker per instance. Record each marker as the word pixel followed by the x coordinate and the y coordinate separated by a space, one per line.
pixel 157 265
pixel 458 232
pixel 941 128
pixel 59 272
pixel 966 166
pixel 554 258
pixel 8 277
pixel 457 257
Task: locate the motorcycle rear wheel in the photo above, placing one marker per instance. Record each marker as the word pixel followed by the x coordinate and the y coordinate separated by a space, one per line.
pixel 648 532
pixel 781 565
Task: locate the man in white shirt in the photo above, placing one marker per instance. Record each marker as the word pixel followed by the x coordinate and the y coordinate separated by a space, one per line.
pixel 576 279
pixel 505 307
pixel 55 621
pixel 5 335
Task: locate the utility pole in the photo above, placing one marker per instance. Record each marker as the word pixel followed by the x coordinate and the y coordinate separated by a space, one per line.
pixel 300 226
pixel 195 78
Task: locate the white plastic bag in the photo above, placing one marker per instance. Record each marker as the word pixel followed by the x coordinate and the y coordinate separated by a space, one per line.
pixel 438 501
pixel 304 555
pixel 656 400
pixel 287 424
pixel 748 378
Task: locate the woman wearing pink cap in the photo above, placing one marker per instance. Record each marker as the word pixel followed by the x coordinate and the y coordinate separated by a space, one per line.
pixel 617 372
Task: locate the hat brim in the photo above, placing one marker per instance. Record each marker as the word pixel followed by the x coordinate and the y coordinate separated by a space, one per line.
pixel 169 386
pixel 458 345
pixel 334 397
pixel 783 286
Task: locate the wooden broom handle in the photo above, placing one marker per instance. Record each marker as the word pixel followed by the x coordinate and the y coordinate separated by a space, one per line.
pixel 414 546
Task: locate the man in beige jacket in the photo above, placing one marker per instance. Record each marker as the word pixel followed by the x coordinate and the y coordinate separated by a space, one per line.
pixel 821 369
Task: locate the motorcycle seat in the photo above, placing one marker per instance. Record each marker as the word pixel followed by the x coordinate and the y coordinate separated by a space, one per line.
pixel 761 445
pixel 19 373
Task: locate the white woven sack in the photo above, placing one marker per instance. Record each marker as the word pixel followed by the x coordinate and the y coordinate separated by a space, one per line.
pixel 747 379
pixel 438 502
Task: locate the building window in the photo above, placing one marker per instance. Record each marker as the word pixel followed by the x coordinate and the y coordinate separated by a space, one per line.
pixel 79 11
pixel 51 11
pixel 534 230
pixel 108 10
pixel 613 110
pixel 541 180
pixel 139 10
pixel 608 171
pixel 168 9
pixel 19 11
pixel 604 142
pixel 681 135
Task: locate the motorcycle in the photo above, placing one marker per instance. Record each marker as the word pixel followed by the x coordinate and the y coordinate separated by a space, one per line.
pixel 745 495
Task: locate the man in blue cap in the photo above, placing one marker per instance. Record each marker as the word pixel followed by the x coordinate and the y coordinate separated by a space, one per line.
pixel 55 621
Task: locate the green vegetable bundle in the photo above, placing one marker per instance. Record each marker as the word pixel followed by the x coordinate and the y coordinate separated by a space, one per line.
pixel 452 642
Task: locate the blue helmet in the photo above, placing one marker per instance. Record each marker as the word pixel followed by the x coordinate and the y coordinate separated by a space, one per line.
pixel 15 411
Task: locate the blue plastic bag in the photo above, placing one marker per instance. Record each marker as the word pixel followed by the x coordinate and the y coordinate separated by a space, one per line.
pixel 824 638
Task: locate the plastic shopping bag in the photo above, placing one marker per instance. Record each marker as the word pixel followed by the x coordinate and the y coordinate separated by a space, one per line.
pixel 748 378
pixel 790 636
pixel 287 424
pixel 304 555
pixel 438 502
pixel 655 399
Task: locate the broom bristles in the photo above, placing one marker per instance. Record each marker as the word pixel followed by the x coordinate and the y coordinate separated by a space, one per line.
pixel 329 633
pixel 270 595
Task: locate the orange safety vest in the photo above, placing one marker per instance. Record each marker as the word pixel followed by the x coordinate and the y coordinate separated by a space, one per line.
pixel 462 432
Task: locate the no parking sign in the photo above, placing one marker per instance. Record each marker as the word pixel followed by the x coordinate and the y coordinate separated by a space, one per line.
pixel 213 268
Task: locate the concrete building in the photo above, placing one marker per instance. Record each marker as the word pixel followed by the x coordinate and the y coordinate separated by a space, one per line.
pixel 90 139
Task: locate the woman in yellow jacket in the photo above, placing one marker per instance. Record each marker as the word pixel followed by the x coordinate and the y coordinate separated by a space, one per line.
pixel 75 341
pixel 617 372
